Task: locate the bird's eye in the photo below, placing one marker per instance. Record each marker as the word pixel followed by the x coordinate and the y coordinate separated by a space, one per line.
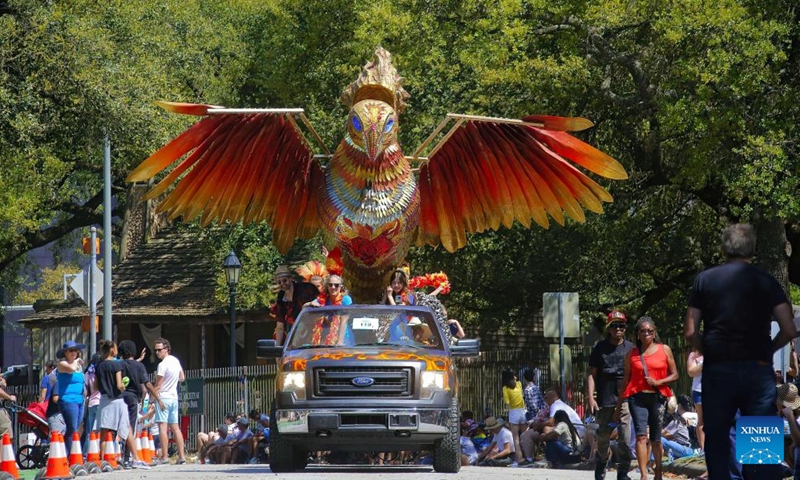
pixel 356 123
pixel 389 125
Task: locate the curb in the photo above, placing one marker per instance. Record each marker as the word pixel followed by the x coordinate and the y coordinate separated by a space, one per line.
pixel 687 467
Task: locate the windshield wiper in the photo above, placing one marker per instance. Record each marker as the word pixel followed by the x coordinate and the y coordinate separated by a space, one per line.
pixel 384 344
pixel 308 347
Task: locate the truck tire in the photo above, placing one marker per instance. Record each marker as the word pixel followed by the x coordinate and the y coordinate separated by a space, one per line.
pixel 300 458
pixel 282 457
pixel 447 451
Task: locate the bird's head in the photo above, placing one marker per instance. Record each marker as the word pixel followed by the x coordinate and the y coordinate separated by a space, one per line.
pixel 372 127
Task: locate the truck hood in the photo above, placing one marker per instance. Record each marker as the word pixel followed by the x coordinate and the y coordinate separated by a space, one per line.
pixel 297 359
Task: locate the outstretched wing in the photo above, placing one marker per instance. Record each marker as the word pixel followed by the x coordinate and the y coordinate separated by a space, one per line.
pixel 488 172
pixel 249 165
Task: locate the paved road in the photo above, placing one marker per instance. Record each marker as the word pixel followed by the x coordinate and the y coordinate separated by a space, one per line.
pixel 254 472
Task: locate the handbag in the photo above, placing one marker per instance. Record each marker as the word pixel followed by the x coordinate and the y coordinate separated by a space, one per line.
pixel 670 402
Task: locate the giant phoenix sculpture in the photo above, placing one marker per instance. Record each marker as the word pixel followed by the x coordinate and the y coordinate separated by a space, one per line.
pixel 256 165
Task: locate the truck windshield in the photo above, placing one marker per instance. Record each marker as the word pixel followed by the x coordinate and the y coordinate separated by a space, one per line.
pixel 354 327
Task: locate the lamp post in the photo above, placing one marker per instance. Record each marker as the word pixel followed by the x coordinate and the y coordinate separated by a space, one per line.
pixel 232 268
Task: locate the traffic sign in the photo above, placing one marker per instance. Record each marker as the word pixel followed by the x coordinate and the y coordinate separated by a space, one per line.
pixel 81 284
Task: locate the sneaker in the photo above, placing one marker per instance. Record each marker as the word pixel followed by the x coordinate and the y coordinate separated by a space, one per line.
pixel 599 471
pixel 161 461
pixel 514 465
pixel 181 461
pixel 127 465
pixel 138 464
pixel 541 464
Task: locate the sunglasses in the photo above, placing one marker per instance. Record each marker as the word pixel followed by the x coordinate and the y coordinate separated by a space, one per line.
pixel 73 350
pixel 284 280
pixel 647 332
pixel 620 326
pixel 158 349
pixel 335 285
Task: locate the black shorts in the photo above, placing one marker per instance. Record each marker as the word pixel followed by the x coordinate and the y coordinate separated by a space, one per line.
pixel 133 410
pixel 647 409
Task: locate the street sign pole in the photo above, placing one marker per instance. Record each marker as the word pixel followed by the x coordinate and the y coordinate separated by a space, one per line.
pixel 561 367
pixel 107 324
pixel 92 301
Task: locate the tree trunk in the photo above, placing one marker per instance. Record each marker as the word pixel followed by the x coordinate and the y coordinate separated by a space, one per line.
pixel 773 250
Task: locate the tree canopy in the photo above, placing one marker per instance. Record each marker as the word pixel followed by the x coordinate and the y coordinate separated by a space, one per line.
pixel 696 98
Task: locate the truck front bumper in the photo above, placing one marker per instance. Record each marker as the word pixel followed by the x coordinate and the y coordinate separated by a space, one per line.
pixel 362 420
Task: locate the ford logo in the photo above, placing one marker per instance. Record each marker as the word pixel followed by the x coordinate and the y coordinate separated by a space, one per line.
pixel 362 381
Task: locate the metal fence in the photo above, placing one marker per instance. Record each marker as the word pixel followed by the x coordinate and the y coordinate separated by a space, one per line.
pixel 242 389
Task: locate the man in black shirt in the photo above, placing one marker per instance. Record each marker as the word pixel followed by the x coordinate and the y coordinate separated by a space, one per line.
pixel 606 368
pixel 735 303
pixel 137 384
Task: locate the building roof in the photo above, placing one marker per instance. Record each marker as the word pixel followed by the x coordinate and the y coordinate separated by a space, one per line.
pixel 170 276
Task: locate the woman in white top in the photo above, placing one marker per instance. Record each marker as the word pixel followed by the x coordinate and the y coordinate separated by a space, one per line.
pixel 694 367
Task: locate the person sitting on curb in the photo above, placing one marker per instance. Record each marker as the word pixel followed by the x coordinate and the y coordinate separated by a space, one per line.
pixel 562 443
pixel 240 444
pixel 212 451
pixel 545 422
pixel 500 452
pixel 675 435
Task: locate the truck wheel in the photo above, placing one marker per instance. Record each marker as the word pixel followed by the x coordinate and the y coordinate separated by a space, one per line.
pixel 300 458
pixel 281 452
pixel 447 451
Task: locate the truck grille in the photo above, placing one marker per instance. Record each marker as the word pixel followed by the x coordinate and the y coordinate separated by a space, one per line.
pixel 338 382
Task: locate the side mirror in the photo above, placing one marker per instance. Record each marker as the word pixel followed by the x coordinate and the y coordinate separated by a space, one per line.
pixel 466 347
pixel 268 349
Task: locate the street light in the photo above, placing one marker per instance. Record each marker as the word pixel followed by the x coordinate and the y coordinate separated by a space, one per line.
pixel 232 267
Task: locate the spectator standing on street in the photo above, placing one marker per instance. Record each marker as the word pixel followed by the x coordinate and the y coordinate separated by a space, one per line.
pixel 512 396
pixel 168 374
pixel 70 387
pixel 136 388
pixel 532 395
pixel 606 370
pixel 45 386
pixel 54 418
pixel 649 368
pixel 694 367
pixel 735 303
pixel 5 420
pixel 112 414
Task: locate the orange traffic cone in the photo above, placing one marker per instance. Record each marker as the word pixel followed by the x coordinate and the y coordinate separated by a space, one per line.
pixel 93 455
pixel 153 452
pixel 9 464
pixel 144 449
pixel 75 453
pixel 57 466
pixel 109 454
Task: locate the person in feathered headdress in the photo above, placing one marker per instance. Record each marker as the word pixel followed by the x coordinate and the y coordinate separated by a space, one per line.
pixel 313 272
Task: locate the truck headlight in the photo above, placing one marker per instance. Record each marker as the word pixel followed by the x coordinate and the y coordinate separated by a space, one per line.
pixel 433 382
pixel 294 382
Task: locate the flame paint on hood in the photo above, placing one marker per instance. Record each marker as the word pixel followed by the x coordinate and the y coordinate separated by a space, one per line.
pixel 296 360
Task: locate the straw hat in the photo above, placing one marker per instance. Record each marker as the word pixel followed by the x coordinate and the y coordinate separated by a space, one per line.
pixel 787 396
pixel 282 271
pixel 492 423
